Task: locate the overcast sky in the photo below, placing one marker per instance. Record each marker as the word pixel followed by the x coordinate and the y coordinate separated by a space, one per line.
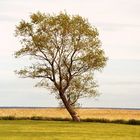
pixel 118 22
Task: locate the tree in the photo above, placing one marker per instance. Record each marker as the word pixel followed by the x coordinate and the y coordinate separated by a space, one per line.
pixel 66 51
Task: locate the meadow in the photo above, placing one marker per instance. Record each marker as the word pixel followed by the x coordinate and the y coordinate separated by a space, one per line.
pixel 68 130
pixel 58 130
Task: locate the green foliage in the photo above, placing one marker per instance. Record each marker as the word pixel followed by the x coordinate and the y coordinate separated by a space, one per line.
pixel 65 51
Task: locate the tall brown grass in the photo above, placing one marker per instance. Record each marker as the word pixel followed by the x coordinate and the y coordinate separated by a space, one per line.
pixel 111 114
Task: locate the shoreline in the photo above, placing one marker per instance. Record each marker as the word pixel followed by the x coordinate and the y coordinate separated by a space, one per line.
pixel 35 107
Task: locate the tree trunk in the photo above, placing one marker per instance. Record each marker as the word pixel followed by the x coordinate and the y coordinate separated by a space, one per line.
pixel 69 108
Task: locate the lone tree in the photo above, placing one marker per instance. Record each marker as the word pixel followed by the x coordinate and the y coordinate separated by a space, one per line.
pixel 65 51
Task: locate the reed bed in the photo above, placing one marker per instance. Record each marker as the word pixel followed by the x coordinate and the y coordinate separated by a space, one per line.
pixel 110 114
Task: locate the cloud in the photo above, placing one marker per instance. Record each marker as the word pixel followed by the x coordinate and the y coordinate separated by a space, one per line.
pixel 7 18
pixel 110 26
pixel 121 83
pixel 118 22
pixel 119 26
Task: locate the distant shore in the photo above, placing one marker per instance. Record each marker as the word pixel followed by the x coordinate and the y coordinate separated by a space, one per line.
pixel 35 107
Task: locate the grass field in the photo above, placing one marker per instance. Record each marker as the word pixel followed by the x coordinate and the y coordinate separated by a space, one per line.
pixel 55 130
pixel 111 114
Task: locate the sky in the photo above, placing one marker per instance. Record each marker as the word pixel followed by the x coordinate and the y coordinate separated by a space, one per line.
pixel 118 23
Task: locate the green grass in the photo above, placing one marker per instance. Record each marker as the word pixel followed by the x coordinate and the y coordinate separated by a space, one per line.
pixel 60 130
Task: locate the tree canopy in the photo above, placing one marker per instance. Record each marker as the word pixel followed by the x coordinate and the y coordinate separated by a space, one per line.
pixel 66 51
